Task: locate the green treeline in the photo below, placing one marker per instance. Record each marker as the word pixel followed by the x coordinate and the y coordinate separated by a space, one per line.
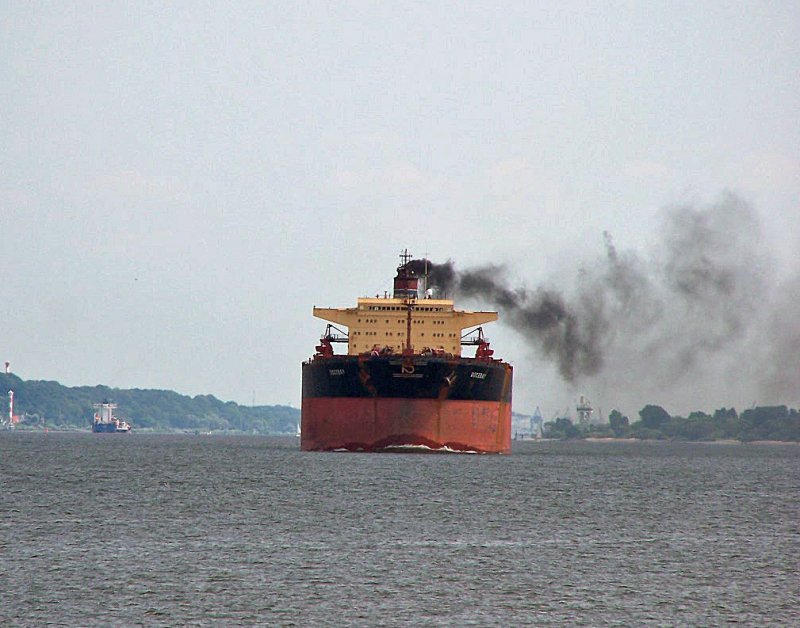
pixel 49 404
pixel 777 423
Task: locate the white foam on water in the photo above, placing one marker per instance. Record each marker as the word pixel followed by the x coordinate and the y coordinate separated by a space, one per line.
pixel 443 449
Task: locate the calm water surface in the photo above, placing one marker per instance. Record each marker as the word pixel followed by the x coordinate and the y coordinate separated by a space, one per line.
pixel 162 530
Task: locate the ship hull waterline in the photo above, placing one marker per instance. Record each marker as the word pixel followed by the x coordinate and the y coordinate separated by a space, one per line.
pixel 380 424
pixel 108 428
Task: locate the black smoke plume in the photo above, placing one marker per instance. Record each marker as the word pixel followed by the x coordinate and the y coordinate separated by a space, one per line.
pixel 442 276
pixel 558 329
pixel 645 321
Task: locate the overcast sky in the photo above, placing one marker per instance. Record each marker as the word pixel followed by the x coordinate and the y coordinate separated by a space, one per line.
pixel 180 183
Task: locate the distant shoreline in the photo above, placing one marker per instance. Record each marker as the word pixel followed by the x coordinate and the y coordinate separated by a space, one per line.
pixel 603 439
pixel 722 441
pixel 144 430
pixel 590 439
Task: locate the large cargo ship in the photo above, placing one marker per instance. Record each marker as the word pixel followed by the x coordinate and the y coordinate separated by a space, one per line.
pixel 403 383
pixel 106 422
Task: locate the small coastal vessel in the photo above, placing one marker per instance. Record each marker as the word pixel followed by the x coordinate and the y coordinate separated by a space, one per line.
pixel 106 422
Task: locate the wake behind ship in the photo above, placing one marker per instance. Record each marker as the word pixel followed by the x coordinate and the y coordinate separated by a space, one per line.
pixel 403 384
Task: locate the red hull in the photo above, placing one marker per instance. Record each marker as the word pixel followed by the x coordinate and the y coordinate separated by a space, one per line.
pixel 380 423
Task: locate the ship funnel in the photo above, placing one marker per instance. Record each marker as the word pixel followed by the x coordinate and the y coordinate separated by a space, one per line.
pixel 406 282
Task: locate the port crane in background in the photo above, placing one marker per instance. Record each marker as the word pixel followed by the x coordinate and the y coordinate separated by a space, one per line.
pixel 584 410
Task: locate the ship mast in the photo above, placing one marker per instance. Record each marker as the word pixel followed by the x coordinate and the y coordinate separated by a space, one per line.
pixel 406 285
pixel 408 349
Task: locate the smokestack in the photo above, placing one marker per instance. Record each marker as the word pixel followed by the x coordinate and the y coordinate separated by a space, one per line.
pixel 406 283
pixel 10 405
pixel 8 366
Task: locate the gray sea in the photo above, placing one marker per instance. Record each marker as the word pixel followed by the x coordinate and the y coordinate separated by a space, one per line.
pixel 173 530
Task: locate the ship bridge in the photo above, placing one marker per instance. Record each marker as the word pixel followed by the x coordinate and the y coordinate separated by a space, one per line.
pixel 384 322
pixel 405 322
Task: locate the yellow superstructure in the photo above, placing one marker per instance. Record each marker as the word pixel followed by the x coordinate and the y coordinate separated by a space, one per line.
pixel 383 322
